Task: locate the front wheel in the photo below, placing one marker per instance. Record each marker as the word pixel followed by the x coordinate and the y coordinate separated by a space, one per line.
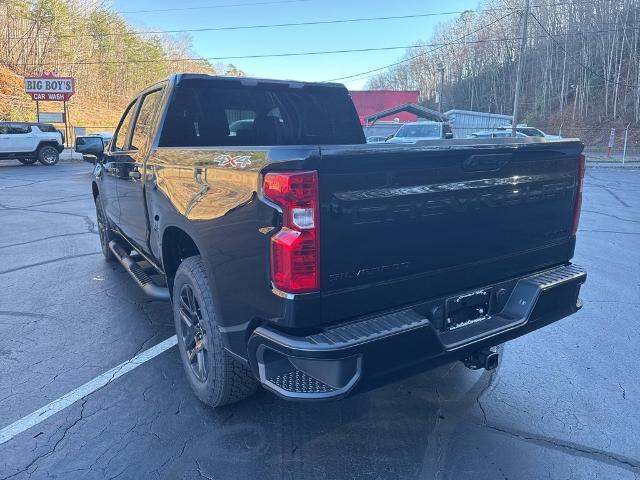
pixel 48 155
pixel 215 376
pixel 28 161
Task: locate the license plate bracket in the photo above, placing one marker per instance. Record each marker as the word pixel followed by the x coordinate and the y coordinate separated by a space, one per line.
pixel 467 309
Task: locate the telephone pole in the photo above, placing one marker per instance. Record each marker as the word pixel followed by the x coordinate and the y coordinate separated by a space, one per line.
pixel 523 46
pixel 441 70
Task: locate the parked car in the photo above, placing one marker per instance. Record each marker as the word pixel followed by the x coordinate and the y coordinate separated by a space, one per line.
pixel 302 259
pixel 529 131
pixel 30 142
pixel 417 131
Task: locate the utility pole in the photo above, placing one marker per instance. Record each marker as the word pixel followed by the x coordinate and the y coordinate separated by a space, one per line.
pixel 441 70
pixel 523 46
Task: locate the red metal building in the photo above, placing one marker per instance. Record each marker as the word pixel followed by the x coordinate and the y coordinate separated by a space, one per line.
pixel 368 102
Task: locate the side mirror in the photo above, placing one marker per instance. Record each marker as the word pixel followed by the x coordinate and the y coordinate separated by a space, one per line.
pixel 93 146
pixel 448 135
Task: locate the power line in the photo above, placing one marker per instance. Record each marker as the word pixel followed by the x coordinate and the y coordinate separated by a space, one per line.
pixel 374 70
pixel 174 9
pixel 369 73
pixel 288 24
pixel 208 7
pixel 575 60
pixel 320 52
pixel 260 26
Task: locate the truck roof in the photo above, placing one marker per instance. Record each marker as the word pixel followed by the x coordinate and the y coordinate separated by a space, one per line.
pixel 182 77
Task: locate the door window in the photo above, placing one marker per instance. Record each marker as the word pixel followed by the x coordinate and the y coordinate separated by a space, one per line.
pixel 143 128
pixel 19 129
pixel 121 135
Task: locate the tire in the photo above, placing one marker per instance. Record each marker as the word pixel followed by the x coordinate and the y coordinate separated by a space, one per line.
pixel 105 233
pixel 215 376
pixel 48 155
pixel 28 161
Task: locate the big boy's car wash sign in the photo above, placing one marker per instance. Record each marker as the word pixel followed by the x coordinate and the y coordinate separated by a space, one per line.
pixel 50 88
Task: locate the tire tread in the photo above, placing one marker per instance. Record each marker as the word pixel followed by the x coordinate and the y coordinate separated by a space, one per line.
pixel 234 381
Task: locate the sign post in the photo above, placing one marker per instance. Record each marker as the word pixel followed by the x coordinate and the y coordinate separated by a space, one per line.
pixel 50 88
pixel 612 138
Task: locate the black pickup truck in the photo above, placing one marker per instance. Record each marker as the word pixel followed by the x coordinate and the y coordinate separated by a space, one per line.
pixel 298 257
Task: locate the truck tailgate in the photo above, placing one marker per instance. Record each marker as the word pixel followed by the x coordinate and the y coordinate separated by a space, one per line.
pixel 402 224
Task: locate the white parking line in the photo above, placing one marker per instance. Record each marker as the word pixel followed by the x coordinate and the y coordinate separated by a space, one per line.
pixel 40 415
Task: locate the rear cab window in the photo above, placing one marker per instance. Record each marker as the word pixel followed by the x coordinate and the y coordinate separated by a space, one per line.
pixel 228 113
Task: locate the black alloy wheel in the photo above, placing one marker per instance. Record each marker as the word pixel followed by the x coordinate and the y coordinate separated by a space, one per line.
pixel 193 333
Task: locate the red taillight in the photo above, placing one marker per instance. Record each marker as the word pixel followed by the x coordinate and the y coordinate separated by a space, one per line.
pixel 295 249
pixel 578 203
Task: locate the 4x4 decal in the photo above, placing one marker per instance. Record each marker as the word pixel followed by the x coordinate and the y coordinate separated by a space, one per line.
pixel 239 161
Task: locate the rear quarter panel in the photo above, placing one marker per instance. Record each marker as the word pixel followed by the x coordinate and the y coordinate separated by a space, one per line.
pixel 212 194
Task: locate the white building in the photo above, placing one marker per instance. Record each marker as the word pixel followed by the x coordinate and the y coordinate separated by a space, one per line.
pixel 465 122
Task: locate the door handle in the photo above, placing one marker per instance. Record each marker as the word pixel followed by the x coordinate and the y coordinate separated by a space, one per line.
pixel 135 175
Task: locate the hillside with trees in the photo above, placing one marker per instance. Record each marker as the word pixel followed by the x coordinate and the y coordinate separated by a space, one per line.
pixel 581 69
pixel 109 58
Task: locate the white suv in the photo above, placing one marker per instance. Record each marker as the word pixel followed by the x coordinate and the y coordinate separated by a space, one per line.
pixel 30 142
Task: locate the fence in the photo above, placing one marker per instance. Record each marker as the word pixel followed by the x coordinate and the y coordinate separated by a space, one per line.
pixel 620 144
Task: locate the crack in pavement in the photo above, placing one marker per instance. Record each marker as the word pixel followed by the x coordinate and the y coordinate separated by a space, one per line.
pixel 46 238
pixel 201 473
pixel 12 313
pixel 46 262
pixel 612 193
pixel 90 223
pixel 50 451
pixel 54 201
pixel 609 231
pixel 113 376
pixel 611 215
pixel 575 449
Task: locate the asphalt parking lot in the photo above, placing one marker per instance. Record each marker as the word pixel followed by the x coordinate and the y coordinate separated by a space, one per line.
pixel 564 402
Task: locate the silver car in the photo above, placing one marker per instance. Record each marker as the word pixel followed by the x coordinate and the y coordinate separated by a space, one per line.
pixel 416 131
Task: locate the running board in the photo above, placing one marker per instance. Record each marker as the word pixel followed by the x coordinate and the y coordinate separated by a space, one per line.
pixel 143 280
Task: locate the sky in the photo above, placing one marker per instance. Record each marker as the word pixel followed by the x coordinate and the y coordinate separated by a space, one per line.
pixel 397 32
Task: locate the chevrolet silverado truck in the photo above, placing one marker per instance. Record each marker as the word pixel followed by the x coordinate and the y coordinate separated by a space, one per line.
pixel 299 258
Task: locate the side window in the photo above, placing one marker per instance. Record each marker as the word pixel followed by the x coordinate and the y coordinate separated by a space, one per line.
pixel 4 129
pixel 122 133
pixel 17 129
pixel 143 128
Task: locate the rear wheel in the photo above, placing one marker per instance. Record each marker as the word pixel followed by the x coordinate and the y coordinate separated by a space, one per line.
pixel 28 161
pixel 48 155
pixel 215 376
pixel 105 233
